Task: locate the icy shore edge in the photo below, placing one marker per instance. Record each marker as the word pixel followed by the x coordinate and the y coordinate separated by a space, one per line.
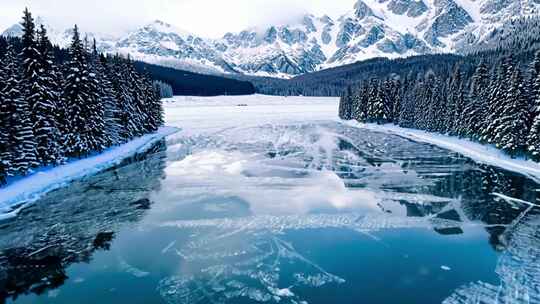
pixel 486 154
pixel 26 190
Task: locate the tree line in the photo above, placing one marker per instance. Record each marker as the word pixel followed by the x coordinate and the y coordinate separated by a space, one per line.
pixel 52 108
pixel 497 105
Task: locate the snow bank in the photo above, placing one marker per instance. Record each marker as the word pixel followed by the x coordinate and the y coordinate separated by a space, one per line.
pixel 486 154
pixel 207 115
pixel 20 193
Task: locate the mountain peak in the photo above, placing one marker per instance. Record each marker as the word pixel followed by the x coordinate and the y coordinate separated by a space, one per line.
pixel 164 27
pixel 362 10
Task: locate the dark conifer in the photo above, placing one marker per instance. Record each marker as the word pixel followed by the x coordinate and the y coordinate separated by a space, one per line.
pixel 512 127
pixel 77 98
pixel 22 151
pixel 45 105
pixel 476 110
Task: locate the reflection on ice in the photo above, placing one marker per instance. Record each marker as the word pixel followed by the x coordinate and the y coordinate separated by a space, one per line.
pixel 518 269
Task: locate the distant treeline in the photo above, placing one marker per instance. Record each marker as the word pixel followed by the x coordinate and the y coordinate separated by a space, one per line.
pixel 188 83
pixel 497 104
pixel 56 103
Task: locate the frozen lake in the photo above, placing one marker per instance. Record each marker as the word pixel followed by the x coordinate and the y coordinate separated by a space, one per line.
pixel 273 200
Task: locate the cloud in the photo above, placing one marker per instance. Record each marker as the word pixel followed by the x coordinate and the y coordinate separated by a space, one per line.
pixel 204 17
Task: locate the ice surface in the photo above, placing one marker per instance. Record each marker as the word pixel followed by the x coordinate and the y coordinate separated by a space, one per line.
pixel 518 269
pixel 255 274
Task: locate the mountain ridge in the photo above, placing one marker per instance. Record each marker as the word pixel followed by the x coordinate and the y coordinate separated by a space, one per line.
pixel 372 28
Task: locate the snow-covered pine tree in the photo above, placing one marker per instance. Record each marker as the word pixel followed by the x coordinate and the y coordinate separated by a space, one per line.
pixel 97 137
pixel 131 109
pixel 165 90
pixel 6 113
pixel 388 95
pixel 455 102
pixel 154 108
pixel 417 103
pixel 437 104
pixel 496 100
pixel 376 111
pixel 362 100
pixel 476 109
pixel 77 98
pixel 108 98
pixel 346 104
pixel 534 85
pixel 22 155
pixel 512 127
pixel 31 62
pixel 355 104
pixel 406 110
pixel 45 100
pixel 533 138
pixel 431 102
pixel 136 88
pixel 397 99
pixel 423 99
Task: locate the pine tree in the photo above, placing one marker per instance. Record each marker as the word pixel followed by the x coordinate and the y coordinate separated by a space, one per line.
pixel 376 110
pixel 22 153
pixel 455 102
pixel 77 99
pixel 406 109
pixel 533 138
pixel 136 88
pixel 110 105
pixel 397 100
pixel 97 137
pixel 346 104
pixel 431 103
pixel 154 106
pixel 362 100
pixel 6 113
pixel 534 82
pixel 476 110
pixel 497 99
pixel 31 62
pixel 124 98
pixel 512 127
pixel 45 105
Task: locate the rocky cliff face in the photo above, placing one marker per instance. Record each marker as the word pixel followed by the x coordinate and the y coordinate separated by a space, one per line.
pixel 372 28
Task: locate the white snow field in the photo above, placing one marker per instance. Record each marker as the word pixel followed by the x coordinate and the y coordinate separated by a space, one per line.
pixel 20 193
pixel 210 114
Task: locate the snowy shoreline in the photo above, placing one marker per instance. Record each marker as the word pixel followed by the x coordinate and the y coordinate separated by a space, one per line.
pixel 486 154
pixel 26 190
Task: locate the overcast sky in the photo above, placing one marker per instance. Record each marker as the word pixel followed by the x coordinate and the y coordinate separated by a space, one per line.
pixel 209 18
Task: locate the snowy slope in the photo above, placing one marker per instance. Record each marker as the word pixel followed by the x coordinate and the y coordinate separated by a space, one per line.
pixel 18 194
pixel 372 28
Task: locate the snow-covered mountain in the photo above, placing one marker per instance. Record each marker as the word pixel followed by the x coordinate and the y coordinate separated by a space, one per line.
pixel 372 28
